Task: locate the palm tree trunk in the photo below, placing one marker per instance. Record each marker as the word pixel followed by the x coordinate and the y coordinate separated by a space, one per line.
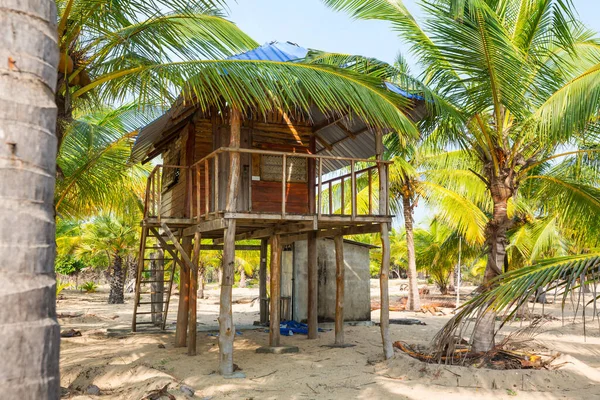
pixel 117 282
pixel 29 332
pixel 483 334
pixel 242 278
pixel 414 302
pixel 201 276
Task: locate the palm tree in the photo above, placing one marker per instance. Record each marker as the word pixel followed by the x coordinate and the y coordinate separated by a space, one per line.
pixel 94 159
pixel 155 52
pixel 30 332
pixel 116 239
pixel 524 79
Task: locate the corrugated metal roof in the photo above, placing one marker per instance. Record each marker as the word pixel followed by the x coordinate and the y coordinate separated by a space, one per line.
pixel 362 145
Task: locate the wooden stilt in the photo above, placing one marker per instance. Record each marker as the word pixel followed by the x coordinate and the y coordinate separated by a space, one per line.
pixel 226 326
pixel 313 282
pixel 193 312
pixel 262 283
pixel 274 336
pixel 388 350
pixel 339 290
pixel 184 299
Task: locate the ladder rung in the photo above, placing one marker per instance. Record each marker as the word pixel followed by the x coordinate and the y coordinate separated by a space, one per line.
pixel 164 291
pixel 164 270
pixel 158 259
pixel 144 322
pixel 156 247
pixel 151 302
pixel 149 312
pixel 153 281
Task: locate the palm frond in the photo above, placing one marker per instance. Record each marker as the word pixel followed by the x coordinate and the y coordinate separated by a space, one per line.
pixel 509 291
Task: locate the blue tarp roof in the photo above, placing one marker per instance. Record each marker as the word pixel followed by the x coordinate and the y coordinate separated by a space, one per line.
pixel 288 51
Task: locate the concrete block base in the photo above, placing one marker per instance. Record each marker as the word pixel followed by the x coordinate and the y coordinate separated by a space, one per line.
pixel 235 375
pixel 277 349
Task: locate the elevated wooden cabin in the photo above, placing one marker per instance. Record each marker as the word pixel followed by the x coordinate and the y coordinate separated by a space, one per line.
pixel 230 176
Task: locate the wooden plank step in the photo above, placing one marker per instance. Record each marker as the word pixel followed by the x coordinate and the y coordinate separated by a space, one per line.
pixel 149 312
pixel 150 302
pixel 145 323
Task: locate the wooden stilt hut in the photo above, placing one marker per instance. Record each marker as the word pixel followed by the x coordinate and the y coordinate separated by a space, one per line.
pixel 230 175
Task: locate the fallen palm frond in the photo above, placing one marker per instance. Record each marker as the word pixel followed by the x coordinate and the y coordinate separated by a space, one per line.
pixel 507 293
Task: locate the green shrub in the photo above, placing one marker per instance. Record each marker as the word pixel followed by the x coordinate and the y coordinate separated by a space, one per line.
pixel 89 287
pixel 60 286
pixel 68 265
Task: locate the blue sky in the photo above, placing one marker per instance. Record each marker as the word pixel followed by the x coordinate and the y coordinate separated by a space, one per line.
pixel 310 24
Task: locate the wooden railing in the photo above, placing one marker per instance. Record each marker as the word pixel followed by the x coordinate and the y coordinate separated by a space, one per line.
pixel 199 184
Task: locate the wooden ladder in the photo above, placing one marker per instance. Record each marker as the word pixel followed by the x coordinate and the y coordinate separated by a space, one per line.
pixel 153 286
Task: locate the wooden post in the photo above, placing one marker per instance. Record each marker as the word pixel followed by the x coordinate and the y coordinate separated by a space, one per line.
pixel 262 284
pixel 283 185
pixel 157 287
pixel 193 312
pixel 226 326
pixel 353 190
pixel 313 282
pixel 320 188
pixel 184 299
pixel 388 350
pixel 339 290
pixel 274 335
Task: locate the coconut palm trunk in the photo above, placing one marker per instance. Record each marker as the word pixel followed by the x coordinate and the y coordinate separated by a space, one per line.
pixel 117 281
pixel 483 335
pixel 29 332
pixel 201 277
pixel 414 302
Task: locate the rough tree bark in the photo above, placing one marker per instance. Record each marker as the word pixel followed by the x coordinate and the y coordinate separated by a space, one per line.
pixel 483 333
pixel 117 281
pixel 226 326
pixel 201 278
pixel 242 283
pixel 29 332
pixel 414 302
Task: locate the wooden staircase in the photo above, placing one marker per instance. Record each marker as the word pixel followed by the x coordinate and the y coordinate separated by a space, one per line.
pixel 157 263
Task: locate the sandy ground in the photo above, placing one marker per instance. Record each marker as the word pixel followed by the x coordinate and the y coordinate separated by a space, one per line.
pixel 127 366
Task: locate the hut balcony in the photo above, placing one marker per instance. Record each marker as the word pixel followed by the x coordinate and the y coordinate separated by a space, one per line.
pixel 323 191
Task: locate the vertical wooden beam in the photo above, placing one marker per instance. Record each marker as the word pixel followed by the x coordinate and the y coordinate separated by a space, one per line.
pixel 370 191
pixel 330 198
pixel 226 326
pixel 313 282
pixel 206 187
pixel 342 197
pixel 320 188
pixel 312 177
pixel 274 335
pixel 216 184
pixel 283 184
pixel 353 190
pixel 184 299
pixel 339 290
pixel 388 350
pixel 190 149
pixel 193 311
pixel 262 283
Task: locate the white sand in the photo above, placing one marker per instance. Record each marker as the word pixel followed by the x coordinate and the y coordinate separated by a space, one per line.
pixel 128 366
